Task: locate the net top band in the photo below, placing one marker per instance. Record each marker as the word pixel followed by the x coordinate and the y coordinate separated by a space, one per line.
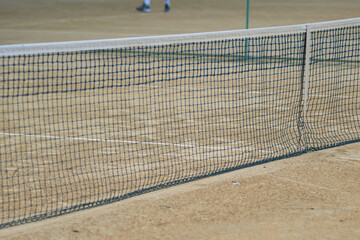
pixel 73 46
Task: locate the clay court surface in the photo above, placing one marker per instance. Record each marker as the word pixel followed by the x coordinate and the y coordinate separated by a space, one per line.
pixel 312 196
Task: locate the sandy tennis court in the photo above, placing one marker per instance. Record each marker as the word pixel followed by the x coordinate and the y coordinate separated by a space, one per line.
pixel 312 196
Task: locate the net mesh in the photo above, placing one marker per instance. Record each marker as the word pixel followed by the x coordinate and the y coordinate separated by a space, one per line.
pixel 87 127
pixel 334 90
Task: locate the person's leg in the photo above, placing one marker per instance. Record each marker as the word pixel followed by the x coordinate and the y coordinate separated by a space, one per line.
pixel 145 7
pixel 167 5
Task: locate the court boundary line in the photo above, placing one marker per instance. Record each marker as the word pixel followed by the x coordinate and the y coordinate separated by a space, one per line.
pixel 124 141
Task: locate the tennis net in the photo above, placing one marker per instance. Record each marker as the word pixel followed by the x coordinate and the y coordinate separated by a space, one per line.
pixel 92 122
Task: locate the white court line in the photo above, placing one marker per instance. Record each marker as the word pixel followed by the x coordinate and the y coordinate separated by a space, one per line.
pixel 122 141
pixel 350 158
pixel 228 90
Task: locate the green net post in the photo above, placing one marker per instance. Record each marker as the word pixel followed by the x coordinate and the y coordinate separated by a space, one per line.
pixel 247 13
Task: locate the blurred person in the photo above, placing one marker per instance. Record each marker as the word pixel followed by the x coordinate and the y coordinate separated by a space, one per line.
pixel 146 6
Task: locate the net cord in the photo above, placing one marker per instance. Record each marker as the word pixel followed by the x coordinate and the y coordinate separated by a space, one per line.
pixel 39 48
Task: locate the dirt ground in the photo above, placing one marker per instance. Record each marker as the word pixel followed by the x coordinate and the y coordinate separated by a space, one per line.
pixel 313 196
pixel 23 21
